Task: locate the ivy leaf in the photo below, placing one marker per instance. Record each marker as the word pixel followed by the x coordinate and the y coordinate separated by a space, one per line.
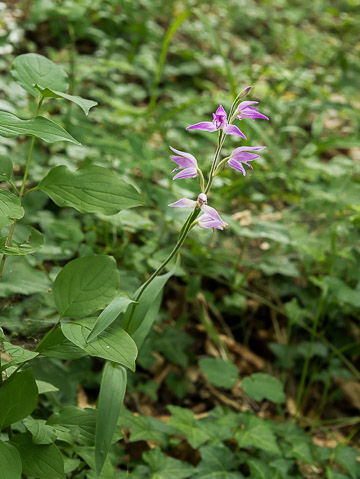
pixel 257 433
pixel 113 344
pixel 261 386
pixel 84 104
pixel 30 69
pixel 40 127
pixel 10 460
pixel 216 463
pixel 32 245
pixel 165 467
pixel 184 420
pixel 90 189
pixel 85 285
pixel 259 469
pixel 219 372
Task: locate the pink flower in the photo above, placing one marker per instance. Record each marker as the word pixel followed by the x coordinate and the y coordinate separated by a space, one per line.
pixel 219 122
pixel 210 218
pixel 187 162
pixel 247 111
pixel 242 156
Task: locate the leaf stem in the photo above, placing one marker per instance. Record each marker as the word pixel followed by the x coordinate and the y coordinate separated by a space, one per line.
pixel 21 192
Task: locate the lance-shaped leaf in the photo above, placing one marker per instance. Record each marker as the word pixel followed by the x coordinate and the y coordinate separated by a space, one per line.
pixel 32 245
pixel 112 392
pixel 113 344
pixel 84 104
pixel 90 189
pixel 85 285
pixel 111 312
pixel 30 69
pixel 11 460
pixel 40 127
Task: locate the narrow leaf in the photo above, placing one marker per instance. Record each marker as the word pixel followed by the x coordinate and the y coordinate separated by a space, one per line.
pixel 111 312
pixel 90 189
pixel 40 127
pixel 111 397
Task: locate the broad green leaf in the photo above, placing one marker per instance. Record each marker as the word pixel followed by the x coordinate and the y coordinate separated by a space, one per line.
pixel 147 428
pixel 18 354
pixel 85 285
pixel 81 422
pixel 10 206
pixel 40 431
pixel 261 386
pixel 18 397
pixel 20 277
pixel 219 372
pixel 216 463
pixel 111 312
pixel 257 433
pixel 184 420
pixel 10 462
pixel 85 105
pixel 55 345
pixel 138 322
pixel 45 387
pixel 30 69
pixel 40 461
pixel 6 168
pixel 40 127
pixel 90 189
pixel 111 397
pixel 87 454
pixel 259 469
pixel 347 458
pixel 113 344
pixel 165 467
pixel 32 245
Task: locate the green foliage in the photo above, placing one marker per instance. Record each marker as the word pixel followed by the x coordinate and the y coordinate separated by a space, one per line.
pixel 261 386
pixel 92 189
pixel 18 397
pixel 218 372
pixel 39 127
pixel 85 285
pixel 10 460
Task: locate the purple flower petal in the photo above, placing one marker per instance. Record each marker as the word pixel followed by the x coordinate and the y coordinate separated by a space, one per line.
pixel 211 219
pixel 190 157
pixel 234 130
pixel 246 148
pixel 183 162
pixel 184 203
pixel 236 165
pixel 204 126
pixel 186 173
pixel 247 111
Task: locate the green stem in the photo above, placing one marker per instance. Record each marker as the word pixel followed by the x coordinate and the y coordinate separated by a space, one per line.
pixel 308 355
pixel 21 192
pixel 222 137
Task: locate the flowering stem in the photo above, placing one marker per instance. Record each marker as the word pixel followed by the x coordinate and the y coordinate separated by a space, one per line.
pixel 182 236
pixel 216 157
pixel 202 180
pixel 220 165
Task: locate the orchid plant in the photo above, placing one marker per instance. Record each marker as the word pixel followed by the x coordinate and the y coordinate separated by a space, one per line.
pixel 89 284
